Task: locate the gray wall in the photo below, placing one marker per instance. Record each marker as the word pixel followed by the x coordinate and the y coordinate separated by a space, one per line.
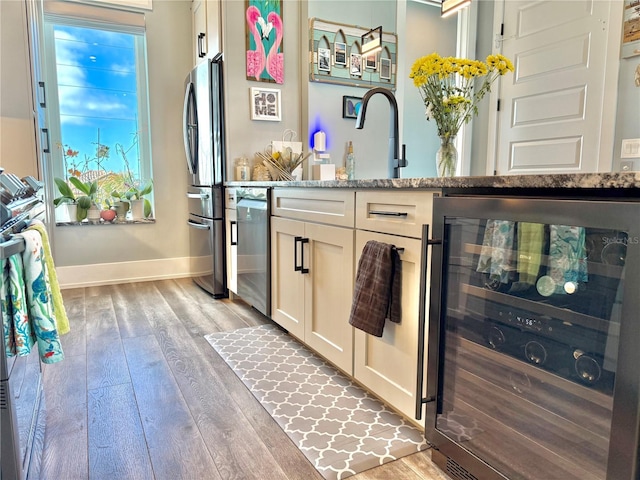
pixel 628 112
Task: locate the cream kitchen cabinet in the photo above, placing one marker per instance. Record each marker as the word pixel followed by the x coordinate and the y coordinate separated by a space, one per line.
pixel 387 365
pixel 206 29
pixel 312 269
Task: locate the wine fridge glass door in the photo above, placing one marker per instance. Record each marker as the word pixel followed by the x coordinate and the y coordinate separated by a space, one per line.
pixel 529 341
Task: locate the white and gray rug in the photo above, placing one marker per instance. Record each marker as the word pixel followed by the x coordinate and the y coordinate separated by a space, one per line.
pixel 338 426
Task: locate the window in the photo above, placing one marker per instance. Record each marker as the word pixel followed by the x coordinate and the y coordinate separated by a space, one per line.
pixel 97 84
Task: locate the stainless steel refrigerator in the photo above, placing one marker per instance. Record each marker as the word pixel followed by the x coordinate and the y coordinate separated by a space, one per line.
pixel 203 126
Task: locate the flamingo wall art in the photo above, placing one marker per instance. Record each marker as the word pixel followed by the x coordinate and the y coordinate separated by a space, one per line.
pixel 265 58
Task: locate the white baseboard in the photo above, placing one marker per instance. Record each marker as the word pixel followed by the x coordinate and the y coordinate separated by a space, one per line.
pixel 126 272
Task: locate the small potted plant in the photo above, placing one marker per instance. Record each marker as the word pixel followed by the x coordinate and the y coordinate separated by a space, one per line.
pixel 140 206
pixel 121 205
pixel 66 204
pixel 86 202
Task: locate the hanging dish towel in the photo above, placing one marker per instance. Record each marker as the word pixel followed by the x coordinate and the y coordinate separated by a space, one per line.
pixel 18 334
pixel 376 295
pixel 496 254
pixel 60 313
pixel 567 256
pixel 39 302
pixel 530 248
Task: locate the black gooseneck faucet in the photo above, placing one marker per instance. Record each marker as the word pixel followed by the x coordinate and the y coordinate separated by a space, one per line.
pixel 395 162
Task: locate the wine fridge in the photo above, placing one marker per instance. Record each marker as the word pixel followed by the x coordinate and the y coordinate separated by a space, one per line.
pixel 533 367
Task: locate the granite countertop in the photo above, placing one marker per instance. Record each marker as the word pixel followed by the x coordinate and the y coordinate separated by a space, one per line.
pixel 624 180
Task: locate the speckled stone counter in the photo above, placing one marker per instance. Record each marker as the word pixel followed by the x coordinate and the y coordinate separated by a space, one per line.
pixel 626 180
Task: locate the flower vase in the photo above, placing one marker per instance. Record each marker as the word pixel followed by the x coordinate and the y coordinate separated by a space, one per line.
pixel 447 156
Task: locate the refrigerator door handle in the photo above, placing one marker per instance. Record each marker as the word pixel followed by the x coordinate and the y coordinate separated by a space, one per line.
pixel 199 226
pixel 202 196
pixel 190 129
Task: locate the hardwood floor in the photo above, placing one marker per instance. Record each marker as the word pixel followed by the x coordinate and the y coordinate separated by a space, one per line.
pixel 142 395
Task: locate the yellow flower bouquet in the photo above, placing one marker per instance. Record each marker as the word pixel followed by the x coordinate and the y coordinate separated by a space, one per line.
pixel 447 86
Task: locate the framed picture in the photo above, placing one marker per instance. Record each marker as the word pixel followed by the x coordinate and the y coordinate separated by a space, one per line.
pixel 385 68
pixel 324 59
pixel 340 53
pixel 371 63
pixel 351 106
pixel 265 104
pixel 631 29
pixel 356 65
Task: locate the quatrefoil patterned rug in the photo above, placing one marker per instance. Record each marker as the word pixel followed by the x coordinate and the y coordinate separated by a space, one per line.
pixel 338 426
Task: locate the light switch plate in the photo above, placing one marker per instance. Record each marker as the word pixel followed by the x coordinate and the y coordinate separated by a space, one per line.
pixel 630 148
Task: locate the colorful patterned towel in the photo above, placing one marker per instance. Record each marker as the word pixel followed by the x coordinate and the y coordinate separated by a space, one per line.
pixel 497 256
pixel 62 321
pixel 567 256
pixel 38 293
pixel 18 334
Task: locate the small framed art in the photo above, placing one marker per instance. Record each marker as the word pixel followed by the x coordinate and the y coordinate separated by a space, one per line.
pixel 356 65
pixel 385 68
pixel 371 63
pixel 351 106
pixel 340 53
pixel 324 59
pixel 265 104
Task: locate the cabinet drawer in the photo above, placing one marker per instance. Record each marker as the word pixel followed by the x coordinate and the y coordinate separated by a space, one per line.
pixel 397 213
pixel 333 207
pixel 230 198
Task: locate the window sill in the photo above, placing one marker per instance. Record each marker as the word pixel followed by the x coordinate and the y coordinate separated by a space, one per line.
pixel 87 223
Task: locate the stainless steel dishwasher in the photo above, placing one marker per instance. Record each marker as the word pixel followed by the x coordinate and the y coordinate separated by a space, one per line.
pixel 248 245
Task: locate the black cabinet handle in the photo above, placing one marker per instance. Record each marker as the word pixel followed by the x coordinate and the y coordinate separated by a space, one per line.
pixel 231 225
pixel 296 267
pixel 302 242
pixel 388 214
pixel 43 102
pixel 201 52
pixel 46 147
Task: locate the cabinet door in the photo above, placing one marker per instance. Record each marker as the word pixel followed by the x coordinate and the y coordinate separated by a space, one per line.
pixel 328 293
pixel 199 30
pixel 287 284
pixel 387 365
pixel 231 234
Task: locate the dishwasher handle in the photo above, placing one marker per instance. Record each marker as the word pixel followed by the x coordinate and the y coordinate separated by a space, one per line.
pixel 199 226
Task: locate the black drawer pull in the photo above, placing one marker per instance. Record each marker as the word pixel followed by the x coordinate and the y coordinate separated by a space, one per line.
pixel 388 214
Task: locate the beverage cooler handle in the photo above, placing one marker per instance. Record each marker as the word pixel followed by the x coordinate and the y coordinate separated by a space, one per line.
pixel 422 299
pixel 233 223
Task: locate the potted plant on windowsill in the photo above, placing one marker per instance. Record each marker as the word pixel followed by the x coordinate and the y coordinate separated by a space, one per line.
pixel 82 203
pixel 140 206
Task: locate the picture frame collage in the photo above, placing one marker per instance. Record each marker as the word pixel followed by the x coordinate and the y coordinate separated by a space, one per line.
pixel 335 56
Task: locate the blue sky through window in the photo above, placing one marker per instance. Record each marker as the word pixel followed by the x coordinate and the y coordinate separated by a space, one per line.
pixel 97 89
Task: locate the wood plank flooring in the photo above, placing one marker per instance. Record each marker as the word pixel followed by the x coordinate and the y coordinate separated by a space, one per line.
pixel 142 395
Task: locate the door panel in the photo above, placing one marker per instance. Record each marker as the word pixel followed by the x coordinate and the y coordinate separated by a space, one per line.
pixel 328 293
pixel 552 108
pixel 287 284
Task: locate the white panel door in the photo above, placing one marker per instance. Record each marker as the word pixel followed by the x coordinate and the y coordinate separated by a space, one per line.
pixel 552 105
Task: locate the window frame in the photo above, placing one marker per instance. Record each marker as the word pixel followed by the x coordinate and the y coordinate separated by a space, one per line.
pixel 107 19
